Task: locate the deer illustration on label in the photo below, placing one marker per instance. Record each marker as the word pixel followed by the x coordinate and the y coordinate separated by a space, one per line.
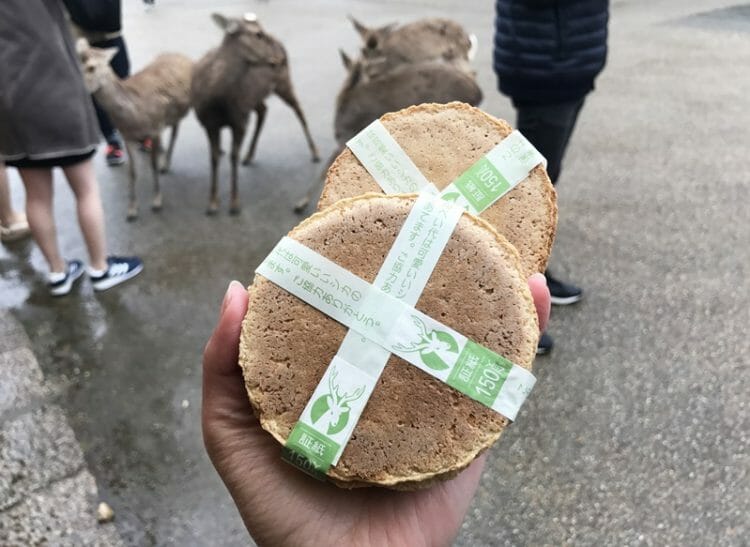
pixel 434 346
pixel 333 408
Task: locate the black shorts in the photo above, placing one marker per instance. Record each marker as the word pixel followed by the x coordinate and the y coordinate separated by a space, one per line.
pixel 62 161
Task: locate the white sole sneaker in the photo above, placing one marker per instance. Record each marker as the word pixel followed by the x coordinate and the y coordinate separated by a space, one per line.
pixel 565 300
pixel 109 282
pixel 67 285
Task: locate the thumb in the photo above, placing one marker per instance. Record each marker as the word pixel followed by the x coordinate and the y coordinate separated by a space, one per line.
pixel 223 387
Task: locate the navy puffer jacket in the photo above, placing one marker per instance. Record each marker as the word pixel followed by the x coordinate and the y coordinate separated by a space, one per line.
pixel 549 51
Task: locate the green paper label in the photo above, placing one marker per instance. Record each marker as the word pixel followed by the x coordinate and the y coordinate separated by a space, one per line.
pixel 482 184
pixel 479 373
pixel 317 449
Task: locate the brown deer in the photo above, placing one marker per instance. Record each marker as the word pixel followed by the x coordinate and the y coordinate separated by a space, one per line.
pixel 427 39
pixel 231 81
pixel 423 62
pixel 365 98
pixel 141 106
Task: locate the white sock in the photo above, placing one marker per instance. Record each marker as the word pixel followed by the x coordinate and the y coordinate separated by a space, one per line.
pixel 95 273
pixel 56 277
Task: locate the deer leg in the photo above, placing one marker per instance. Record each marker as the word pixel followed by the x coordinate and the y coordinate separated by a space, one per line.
pixel 132 205
pixel 155 154
pixel 238 133
pixel 286 93
pixel 302 204
pixel 167 158
pixel 260 111
pixel 214 141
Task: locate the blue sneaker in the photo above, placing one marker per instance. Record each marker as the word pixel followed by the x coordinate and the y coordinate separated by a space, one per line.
pixel 119 270
pixel 561 293
pixel 60 284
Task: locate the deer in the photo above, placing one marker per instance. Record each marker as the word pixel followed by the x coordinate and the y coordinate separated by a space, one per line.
pixel 233 80
pixel 420 59
pixel 141 106
pixel 395 71
pixel 363 99
pixel 426 39
pixel 337 403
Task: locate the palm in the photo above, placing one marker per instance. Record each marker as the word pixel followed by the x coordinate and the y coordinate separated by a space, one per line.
pixel 282 506
pixel 286 507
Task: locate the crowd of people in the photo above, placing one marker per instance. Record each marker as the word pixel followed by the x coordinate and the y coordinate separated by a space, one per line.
pixel 547 54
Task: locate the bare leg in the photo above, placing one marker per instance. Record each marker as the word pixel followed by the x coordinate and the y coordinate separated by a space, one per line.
pixel 286 93
pixel 82 180
pixel 167 163
pixel 260 110
pixel 155 153
pixel 132 204
pixel 38 183
pixel 7 215
pixel 214 142
pixel 238 134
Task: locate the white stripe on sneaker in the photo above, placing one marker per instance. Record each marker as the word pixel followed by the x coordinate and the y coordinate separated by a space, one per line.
pixel 110 280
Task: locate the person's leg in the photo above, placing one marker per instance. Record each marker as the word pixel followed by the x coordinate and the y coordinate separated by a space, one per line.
pixel 82 180
pixel 549 128
pixel 120 63
pixel 7 216
pixel 38 183
pixel 13 224
pixel 105 272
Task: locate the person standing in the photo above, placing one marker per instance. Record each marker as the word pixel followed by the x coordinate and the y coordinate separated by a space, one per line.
pixel 100 22
pixel 47 120
pixel 546 55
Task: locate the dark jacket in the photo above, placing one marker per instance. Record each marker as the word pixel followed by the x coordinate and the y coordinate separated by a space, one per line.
pixel 549 51
pixel 95 15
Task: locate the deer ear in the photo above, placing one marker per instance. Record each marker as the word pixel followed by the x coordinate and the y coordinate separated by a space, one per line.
pixel 230 26
pixel 359 27
pixel 108 53
pixel 386 30
pixel 82 46
pixel 345 59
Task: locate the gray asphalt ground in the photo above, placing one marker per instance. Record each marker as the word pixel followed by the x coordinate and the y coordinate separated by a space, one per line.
pixel 637 432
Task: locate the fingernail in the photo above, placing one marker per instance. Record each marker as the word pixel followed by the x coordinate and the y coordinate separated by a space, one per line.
pixel 228 295
pixel 540 276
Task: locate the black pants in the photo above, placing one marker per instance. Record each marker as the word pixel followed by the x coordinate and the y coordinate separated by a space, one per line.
pixel 549 128
pixel 121 65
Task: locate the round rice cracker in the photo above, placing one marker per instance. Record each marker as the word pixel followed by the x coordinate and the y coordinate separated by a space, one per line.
pixel 414 429
pixel 443 141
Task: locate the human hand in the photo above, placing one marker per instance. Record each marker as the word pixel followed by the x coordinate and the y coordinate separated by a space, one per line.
pixel 282 506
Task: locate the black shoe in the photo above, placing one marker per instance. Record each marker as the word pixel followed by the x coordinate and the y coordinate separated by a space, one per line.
pixel 119 270
pixel 60 286
pixel 545 344
pixel 561 293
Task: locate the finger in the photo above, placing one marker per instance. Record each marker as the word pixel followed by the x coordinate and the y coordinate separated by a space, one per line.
pixel 540 294
pixel 222 349
pixel 223 386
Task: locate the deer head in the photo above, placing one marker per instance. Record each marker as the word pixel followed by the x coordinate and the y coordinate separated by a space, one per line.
pixel 372 37
pixel 95 64
pixel 248 38
pixel 338 403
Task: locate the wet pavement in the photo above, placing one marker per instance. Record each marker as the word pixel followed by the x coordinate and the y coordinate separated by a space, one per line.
pixel 637 431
